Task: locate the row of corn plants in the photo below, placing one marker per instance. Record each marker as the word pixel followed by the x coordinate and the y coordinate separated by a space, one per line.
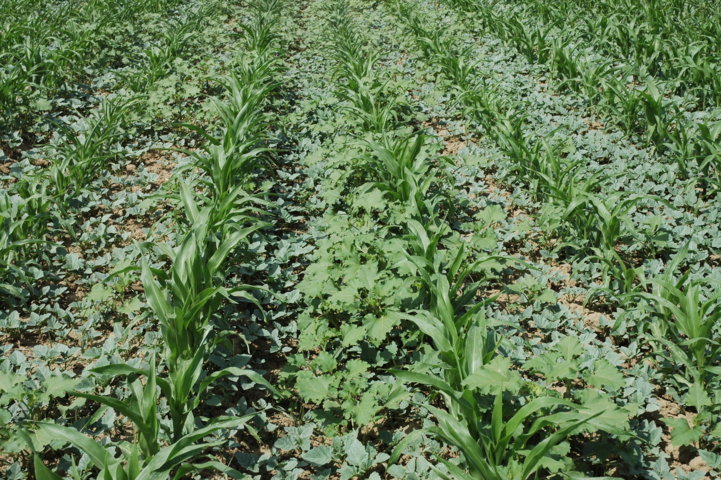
pixel 37 208
pixel 672 41
pixel 492 415
pixel 684 312
pixel 595 222
pixel 44 53
pixel 642 106
pixel 165 398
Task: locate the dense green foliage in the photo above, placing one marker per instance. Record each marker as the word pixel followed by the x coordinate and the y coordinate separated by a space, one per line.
pixel 413 239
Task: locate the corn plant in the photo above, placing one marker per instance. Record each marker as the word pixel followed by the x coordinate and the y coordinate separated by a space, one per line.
pixel 77 162
pixel 449 314
pixel 159 58
pixel 658 118
pixel 532 41
pixel 687 318
pixel 619 280
pixel 402 173
pixel 432 42
pixel 260 35
pixel 500 444
pixel 366 94
pixel 602 222
pixel 592 78
pixel 13 89
pixel 226 168
pixel 16 233
pixel 468 353
pixel 264 6
pixel 184 300
pixel 229 160
pixel 128 461
pixel 624 103
pixel 26 216
pixel 527 157
pixel 453 321
pixel 372 105
pixel 149 455
pixel 564 62
pixel 562 182
pixel 683 146
pixel 249 86
pixel 709 154
pixel 495 444
pixel 696 72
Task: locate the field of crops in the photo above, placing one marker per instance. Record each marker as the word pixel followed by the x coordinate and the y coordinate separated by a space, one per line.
pixel 347 239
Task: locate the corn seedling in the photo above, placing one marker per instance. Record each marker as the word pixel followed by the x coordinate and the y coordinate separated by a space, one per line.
pixel 260 35
pixel 173 461
pixel 709 148
pixel 23 223
pixel 532 42
pixel 687 319
pixel 78 161
pixel 402 171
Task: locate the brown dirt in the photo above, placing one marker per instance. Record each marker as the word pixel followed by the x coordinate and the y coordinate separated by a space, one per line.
pixel 685 457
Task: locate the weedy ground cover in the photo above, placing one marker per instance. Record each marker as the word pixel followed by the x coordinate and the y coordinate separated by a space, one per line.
pixel 410 239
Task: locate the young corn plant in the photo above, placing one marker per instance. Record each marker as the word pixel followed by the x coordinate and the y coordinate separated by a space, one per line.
pixel 527 157
pixel 370 103
pixel 683 147
pixel 228 161
pixel 22 225
pixel 501 443
pixel 159 59
pixel 708 139
pixel 149 455
pixel 564 62
pixel 228 169
pixel 601 222
pixel 619 280
pixel 260 35
pixel 13 91
pixel 174 461
pixel 686 320
pixel 450 316
pixel 533 41
pixel 184 299
pixel 562 181
pixel 494 446
pixel 367 96
pixel 403 174
pixel 155 452
pixel 592 78
pixel 77 162
pixel 625 105
pixel 659 116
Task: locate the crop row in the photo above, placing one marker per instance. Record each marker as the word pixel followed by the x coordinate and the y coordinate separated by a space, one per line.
pixel 441 281
pixel 595 224
pixel 37 207
pixel 185 291
pixel 635 103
